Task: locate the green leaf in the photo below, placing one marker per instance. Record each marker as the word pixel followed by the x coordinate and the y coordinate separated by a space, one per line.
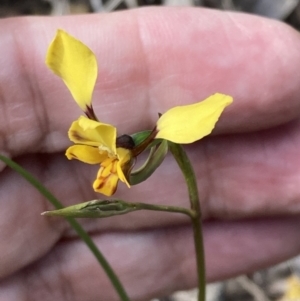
pixel 94 209
pixel 105 208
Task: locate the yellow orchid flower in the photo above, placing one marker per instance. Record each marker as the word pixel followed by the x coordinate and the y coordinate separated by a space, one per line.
pixel 95 143
pixel 76 65
pixel 187 124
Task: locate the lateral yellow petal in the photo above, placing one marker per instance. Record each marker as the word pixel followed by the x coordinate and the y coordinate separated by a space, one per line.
pixel 85 153
pixel 186 124
pixel 94 133
pixel 125 157
pixel 75 64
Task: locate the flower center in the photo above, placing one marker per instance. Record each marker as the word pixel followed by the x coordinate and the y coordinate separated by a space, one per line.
pixel 104 149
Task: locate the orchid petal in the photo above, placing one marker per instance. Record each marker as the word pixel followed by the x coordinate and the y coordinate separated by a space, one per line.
pixel 85 153
pixel 107 178
pixel 187 124
pixel 124 156
pixel 94 133
pixel 75 64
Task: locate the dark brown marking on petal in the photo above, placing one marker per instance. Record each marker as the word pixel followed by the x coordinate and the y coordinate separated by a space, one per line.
pixel 76 136
pixel 90 113
pixel 103 181
pixel 74 156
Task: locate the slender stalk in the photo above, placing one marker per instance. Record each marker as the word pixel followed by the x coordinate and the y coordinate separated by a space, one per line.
pixel 155 158
pixel 76 226
pixel 189 175
pixel 90 113
pixel 144 206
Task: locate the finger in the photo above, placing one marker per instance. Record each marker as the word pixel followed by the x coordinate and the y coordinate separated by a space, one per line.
pixel 42 140
pixel 146 66
pixel 25 234
pixel 154 263
pixel 238 177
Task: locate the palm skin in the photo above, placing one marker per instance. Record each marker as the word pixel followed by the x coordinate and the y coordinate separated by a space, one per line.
pixel 150 60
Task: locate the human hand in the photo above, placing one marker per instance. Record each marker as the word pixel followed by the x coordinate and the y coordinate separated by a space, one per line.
pixel 150 60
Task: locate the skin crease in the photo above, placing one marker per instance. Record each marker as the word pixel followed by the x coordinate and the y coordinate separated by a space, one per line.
pixel 150 60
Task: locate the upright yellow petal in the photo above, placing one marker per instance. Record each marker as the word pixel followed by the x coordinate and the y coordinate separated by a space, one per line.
pixel 186 124
pixel 94 133
pixel 75 64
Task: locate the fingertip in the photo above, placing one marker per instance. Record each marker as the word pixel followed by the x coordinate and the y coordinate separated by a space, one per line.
pixel 150 60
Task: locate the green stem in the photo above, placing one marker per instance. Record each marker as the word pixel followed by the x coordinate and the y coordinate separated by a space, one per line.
pixel 189 175
pixel 144 206
pixel 76 226
pixel 155 158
